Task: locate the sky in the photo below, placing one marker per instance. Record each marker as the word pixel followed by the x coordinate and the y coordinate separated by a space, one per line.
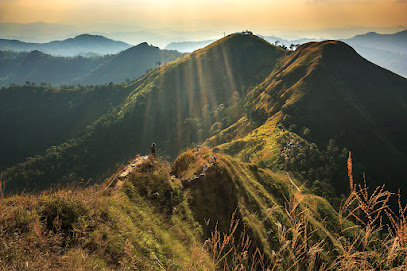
pixel 209 14
pixel 260 16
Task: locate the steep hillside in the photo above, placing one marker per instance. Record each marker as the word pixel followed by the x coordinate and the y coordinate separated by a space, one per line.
pixel 163 107
pixel 147 219
pixel 70 47
pixel 326 91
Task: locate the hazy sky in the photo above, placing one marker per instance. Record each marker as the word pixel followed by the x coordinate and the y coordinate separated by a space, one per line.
pixel 258 15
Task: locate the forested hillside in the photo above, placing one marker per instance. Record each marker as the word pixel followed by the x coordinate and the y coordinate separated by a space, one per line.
pixel 34 118
pixel 38 68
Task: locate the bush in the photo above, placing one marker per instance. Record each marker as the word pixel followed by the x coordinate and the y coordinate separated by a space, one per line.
pixel 152 181
pixel 61 213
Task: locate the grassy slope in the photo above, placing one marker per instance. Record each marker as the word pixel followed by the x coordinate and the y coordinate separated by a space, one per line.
pixel 259 196
pixel 331 90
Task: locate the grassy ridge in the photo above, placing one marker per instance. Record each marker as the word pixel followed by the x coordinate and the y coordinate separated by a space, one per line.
pixel 75 228
pixel 152 220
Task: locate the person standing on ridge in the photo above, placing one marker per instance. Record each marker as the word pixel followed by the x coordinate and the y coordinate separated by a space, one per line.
pixel 153 149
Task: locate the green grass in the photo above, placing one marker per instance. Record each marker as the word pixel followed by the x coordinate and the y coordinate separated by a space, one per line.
pixel 122 228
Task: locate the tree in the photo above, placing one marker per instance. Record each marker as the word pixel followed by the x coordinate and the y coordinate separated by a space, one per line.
pixel 306 132
pixel 235 97
pixel 216 128
pixel 220 112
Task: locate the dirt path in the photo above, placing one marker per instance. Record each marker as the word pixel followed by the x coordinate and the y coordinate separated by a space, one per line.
pixel 118 180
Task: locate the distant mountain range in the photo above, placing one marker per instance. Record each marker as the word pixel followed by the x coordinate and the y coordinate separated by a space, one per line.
pixel 396 42
pixel 188 46
pixel 81 44
pixel 45 32
pixel 37 67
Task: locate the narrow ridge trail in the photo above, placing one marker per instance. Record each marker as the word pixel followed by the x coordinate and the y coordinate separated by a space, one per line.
pixel 117 181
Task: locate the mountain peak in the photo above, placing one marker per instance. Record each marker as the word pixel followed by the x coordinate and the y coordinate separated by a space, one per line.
pixel 141 46
pixel 328 49
pixel 241 41
pixel 88 37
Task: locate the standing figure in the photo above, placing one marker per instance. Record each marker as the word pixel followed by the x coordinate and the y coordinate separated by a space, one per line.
pixel 153 149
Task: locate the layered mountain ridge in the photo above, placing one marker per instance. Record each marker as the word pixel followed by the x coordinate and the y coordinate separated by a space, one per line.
pixel 80 44
pixel 39 68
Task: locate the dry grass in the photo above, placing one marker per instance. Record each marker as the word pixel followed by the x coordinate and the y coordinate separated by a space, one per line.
pixel 230 252
pixel 84 229
pixel 370 236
